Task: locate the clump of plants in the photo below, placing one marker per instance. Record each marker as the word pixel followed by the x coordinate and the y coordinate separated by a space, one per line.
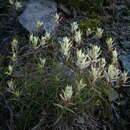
pixel 56 83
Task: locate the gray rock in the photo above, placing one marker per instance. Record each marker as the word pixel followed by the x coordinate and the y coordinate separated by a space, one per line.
pixel 125 44
pixel 2 4
pixel 125 60
pixel 64 72
pixel 6 114
pixel 127 2
pixel 39 10
pixel 120 7
pixel 114 95
pixel 126 18
pixel 61 67
pixel 64 9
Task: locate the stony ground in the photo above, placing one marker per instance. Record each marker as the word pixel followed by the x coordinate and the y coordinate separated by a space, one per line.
pixel 119 28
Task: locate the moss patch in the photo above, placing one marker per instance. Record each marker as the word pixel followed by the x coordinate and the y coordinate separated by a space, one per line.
pixel 91 23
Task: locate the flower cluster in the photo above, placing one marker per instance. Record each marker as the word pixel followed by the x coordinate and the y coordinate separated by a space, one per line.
pixel 66 46
pixel 83 60
pixel 99 33
pixel 78 37
pixel 34 41
pixel 67 94
pixel 41 63
pixel 38 25
pixel 74 27
pixel 94 53
pixel 110 43
pixel 77 33
pixel 112 73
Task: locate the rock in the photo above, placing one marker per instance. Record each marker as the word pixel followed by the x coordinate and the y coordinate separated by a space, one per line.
pixel 2 4
pixel 62 71
pixel 120 7
pixel 127 2
pixel 114 95
pixel 125 61
pixel 126 18
pixel 62 68
pixel 64 9
pixel 39 10
pixel 125 44
pixel 6 115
